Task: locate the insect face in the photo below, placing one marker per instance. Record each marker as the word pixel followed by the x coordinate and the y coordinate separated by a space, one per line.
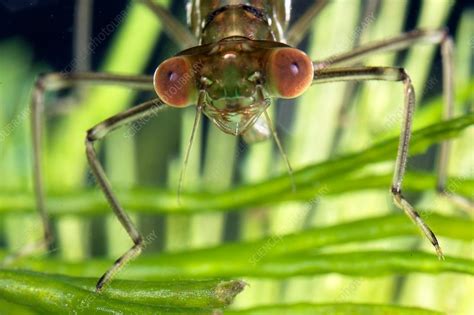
pixel 239 77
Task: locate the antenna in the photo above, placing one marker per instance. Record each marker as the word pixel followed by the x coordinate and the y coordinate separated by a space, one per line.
pixel 197 120
pixel 261 98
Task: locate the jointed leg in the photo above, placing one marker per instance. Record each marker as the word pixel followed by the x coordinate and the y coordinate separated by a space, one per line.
pixel 350 87
pixel 388 74
pixel 82 35
pixel 97 133
pixel 405 41
pixel 178 32
pixel 81 61
pixel 300 28
pixel 396 43
pixel 448 112
pixel 54 82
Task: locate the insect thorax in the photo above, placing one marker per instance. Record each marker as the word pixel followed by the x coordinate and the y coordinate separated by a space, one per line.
pixel 236 20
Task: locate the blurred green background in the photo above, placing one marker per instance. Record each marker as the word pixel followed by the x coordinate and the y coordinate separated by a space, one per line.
pixel 327 122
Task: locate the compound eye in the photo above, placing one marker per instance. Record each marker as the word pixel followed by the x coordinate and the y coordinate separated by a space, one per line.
pixel 290 72
pixel 174 82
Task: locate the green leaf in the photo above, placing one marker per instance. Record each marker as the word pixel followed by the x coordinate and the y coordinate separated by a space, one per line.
pixel 367 263
pixel 54 294
pixel 334 309
pixel 309 180
pixel 271 256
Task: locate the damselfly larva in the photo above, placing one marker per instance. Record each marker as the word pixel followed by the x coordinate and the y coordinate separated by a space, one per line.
pixel 236 56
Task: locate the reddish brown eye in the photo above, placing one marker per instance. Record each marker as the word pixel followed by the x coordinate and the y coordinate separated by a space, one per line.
pixel 290 72
pixel 174 82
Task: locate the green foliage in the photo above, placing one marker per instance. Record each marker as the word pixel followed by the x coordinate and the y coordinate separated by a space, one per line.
pixel 290 255
pixel 334 309
pixel 319 179
pixel 53 294
pixel 200 280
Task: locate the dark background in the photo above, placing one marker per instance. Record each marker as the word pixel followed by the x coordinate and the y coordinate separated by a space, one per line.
pixel 47 25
